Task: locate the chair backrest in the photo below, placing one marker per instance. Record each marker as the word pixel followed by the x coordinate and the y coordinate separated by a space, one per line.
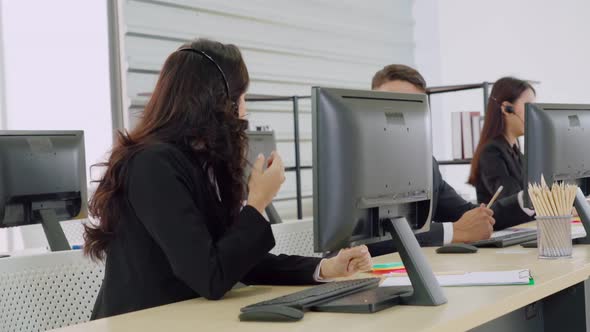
pixel 47 291
pixel 74 230
pixel 294 238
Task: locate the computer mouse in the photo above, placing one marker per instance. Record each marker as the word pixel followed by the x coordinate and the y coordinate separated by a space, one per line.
pixel 274 313
pixel 457 248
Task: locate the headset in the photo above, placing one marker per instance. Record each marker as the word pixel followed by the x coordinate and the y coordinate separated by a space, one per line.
pixel 226 83
pixel 509 109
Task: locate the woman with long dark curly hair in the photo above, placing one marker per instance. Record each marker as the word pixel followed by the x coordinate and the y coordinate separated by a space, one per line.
pixel 172 221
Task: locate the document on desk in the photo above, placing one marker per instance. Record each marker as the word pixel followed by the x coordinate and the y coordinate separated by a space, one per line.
pixel 490 278
pixel 578 231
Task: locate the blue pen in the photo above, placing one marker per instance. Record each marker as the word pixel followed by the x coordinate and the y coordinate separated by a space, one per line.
pixel 76 247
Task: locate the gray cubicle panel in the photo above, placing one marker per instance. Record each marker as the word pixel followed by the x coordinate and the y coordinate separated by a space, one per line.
pixel 287 49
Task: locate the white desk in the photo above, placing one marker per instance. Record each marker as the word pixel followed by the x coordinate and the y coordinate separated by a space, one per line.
pixel 467 307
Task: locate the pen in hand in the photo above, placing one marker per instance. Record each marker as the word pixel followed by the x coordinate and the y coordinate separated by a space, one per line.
pixel 495 197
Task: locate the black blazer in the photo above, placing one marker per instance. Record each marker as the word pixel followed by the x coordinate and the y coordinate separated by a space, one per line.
pixel 448 206
pixel 174 242
pixel 499 165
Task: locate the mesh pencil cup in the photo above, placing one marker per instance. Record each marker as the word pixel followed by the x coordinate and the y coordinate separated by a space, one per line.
pixel 554 236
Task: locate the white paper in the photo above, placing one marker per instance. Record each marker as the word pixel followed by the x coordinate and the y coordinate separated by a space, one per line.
pixel 514 277
pixel 578 231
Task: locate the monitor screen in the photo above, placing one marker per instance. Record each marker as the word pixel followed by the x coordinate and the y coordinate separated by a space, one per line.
pixel 556 144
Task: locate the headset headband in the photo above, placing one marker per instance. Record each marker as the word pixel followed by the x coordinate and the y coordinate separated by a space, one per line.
pixel 210 59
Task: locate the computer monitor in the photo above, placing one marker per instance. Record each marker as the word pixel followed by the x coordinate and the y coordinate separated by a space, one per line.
pixel 556 147
pixel 262 142
pixel 42 180
pixel 372 166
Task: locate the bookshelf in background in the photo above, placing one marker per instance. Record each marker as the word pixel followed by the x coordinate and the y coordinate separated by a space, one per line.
pixel 464 137
pixel 465 130
pixel 485 86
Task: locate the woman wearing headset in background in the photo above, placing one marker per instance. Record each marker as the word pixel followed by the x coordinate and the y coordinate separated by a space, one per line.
pixel 497 160
pixel 172 222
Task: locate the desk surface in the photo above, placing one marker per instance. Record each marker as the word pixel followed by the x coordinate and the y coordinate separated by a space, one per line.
pixel 467 307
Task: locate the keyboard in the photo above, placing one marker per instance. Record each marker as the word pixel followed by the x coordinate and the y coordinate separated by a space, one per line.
pixel 508 237
pixel 321 293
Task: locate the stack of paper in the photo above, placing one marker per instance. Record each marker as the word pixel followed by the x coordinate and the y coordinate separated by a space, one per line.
pixel 386 268
pixel 492 278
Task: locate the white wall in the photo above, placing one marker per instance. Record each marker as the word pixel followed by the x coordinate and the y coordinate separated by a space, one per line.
pixel 2 85
pixel 56 69
pixel 427 58
pixel 56 72
pixel 483 40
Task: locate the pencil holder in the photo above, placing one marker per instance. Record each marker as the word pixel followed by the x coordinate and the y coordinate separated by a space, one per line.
pixel 554 236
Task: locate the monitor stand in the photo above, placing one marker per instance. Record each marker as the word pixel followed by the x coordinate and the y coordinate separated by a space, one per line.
pixel 53 232
pixel 425 290
pixel 583 209
pixel 273 215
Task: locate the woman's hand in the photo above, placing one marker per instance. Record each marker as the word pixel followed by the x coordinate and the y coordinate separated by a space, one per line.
pixel 347 263
pixel 264 184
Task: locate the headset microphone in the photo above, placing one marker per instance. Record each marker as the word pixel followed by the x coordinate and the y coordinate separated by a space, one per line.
pixel 510 110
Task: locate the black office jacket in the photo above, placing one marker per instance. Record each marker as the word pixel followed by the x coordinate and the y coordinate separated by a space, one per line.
pixel 174 241
pixel 499 165
pixel 448 206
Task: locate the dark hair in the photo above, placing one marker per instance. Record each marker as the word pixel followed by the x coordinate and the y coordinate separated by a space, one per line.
pixel 189 107
pixel 505 89
pixel 398 73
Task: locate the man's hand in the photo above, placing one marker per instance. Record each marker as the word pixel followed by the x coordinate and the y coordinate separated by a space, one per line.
pixel 474 225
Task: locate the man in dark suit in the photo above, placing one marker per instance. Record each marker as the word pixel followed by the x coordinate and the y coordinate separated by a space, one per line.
pixel 454 219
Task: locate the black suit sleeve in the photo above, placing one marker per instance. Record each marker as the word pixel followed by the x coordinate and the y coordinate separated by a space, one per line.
pixel 283 270
pixel 508 213
pixel 450 207
pixel 493 170
pixel 161 198
pixel 434 237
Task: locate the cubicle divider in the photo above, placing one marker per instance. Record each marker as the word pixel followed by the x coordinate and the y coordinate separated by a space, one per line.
pixel 47 291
